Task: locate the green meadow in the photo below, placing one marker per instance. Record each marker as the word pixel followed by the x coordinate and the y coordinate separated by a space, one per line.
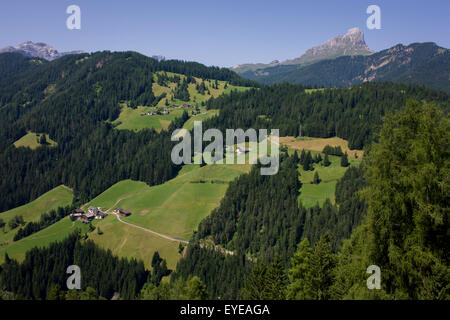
pixel 195 97
pixel 205 115
pixel 131 119
pixel 127 241
pixel 311 194
pixel 30 140
pixel 58 197
pixel 56 232
pixel 174 208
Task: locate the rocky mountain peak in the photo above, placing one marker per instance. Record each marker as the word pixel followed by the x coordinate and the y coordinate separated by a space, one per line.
pixel 350 44
pixel 39 50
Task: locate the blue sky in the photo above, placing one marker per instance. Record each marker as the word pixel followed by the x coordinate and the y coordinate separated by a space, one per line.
pixel 220 32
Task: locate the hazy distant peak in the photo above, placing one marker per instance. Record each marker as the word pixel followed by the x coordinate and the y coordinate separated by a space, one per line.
pixel 39 49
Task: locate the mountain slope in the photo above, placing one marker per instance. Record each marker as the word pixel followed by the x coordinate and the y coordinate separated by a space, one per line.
pixel 421 63
pixel 74 99
pixel 350 44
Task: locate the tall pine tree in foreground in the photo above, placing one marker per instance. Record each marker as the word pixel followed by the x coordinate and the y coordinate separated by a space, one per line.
pixel 312 271
pixel 406 232
pixel 266 282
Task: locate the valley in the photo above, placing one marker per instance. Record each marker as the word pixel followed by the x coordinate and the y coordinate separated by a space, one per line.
pixel 93 132
pixel 174 208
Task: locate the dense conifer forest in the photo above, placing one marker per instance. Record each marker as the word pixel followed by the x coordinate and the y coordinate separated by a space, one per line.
pixel 74 99
pixel 260 242
pixel 353 113
pixel 44 269
pixel 261 230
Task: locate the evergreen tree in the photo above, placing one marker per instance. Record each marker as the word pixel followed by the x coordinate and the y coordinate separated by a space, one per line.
pixel 326 161
pixel 299 287
pixel 312 271
pixel 344 160
pixel 255 287
pixel 316 178
pixel 43 140
pixel 55 293
pixel 160 269
pixel 302 157
pixel 406 230
pixel 322 264
pixel 296 158
pixel 318 158
pixel 180 248
pixel 195 289
pixel 308 162
pixel 276 280
pixel 156 259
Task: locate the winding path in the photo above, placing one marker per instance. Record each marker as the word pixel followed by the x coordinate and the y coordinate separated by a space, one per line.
pixel 153 232
pixel 164 236
pixel 167 237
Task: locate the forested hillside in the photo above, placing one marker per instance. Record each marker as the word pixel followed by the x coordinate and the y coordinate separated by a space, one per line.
pixel 353 114
pixel 44 271
pixel 258 230
pixel 260 242
pixel 399 200
pixel 72 99
pixel 419 63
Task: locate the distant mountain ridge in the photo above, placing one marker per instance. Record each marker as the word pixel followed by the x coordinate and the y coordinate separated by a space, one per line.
pixel 39 50
pixel 350 44
pixel 421 63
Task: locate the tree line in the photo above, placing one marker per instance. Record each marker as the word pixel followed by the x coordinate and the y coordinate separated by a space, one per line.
pixel 44 270
pixel 46 220
pixel 354 114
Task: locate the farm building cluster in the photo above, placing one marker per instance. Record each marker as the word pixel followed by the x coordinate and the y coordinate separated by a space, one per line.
pixel 91 214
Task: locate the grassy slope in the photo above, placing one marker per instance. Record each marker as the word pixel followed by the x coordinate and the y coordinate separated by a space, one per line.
pixel 189 125
pixel 58 197
pixel 174 208
pixel 131 119
pixel 55 232
pixel 130 242
pixel 317 144
pixel 310 194
pixel 30 141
